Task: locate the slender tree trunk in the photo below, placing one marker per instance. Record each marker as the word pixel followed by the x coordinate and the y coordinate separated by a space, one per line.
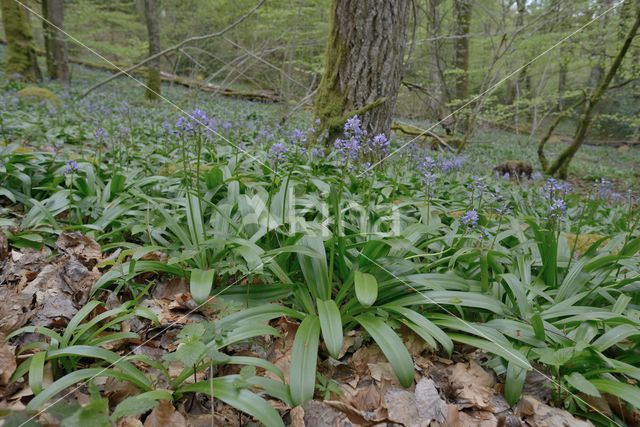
pixel 600 46
pixel 364 64
pixel 21 56
pixel 461 27
pixel 437 86
pixel 54 40
pixel 521 84
pixel 562 82
pixel 561 165
pixel 153 30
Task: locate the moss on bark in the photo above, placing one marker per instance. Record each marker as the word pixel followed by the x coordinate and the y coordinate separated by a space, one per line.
pixel 21 56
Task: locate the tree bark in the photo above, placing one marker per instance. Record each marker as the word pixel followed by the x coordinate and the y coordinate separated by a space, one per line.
pixel 54 41
pixel 21 56
pixel 560 166
pixel 461 27
pixel 521 84
pixel 153 31
pixel 364 63
pixel 438 88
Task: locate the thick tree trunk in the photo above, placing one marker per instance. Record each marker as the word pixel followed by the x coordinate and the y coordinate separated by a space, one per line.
pixel 54 40
pixel 153 30
pixel 21 56
pixel 461 27
pixel 560 166
pixel 363 66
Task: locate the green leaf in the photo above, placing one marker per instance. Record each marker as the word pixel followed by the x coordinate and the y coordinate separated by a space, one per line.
pixel 366 288
pixel 314 268
pixel 392 347
pixel 514 383
pixel 626 392
pixel 36 371
pixel 331 326
pixel 304 356
pixel 508 353
pixel 139 404
pixel 240 398
pixel 615 335
pixel 200 284
pixel 419 322
pixel 580 383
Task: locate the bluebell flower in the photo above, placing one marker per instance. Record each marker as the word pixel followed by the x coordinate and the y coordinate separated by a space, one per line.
pixel 298 137
pixel 101 134
pixel 278 152
pixel 71 166
pixel 470 219
pixel 558 209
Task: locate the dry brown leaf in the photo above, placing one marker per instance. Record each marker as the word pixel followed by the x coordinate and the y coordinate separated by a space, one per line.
pixel 429 402
pixel 84 248
pixel 165 415
pixel 538 414
pixel 470 419
pixel 402 408
pixel 4 247
pixel 297 417
pixel 7 361
pixel 471 386
pixel 364 356
pixel 129 422
pixel 354 415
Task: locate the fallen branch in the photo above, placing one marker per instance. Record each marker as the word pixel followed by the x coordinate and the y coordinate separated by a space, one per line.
pixel 416 131
pixel 129 70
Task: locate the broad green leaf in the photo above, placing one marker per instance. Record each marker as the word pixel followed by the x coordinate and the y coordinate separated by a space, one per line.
pixel 366 288
pixel 240 398
pixel 580 383
pixel 200 284
pixel 304 356
pixel 331 326
pixel 392 347
pixel 514 383
pixel 508 353
pixel 139 404
pixel 421 322
pixel 627 392
pixel 36 371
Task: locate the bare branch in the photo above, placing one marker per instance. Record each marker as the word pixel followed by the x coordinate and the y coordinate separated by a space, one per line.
pixel 127 71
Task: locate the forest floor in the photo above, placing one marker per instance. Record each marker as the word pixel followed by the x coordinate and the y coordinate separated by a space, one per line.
pixel 75 245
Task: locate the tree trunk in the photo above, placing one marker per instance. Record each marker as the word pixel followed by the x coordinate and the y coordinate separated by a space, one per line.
pixel 438 88
pixel 21 56
pixel 461 27
pixel 600 45
pixel 516 87
pixel 54 41
pixel 363 67
pixel 153 30
pixel 561 165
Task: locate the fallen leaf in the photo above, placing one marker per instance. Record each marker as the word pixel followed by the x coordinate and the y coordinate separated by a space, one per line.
pixel 7 361
pixel 538 414
pixel 428 400
pixel 297 417
pixel 84 248
pixel 471 386
pixel 402 408
pixel 165 415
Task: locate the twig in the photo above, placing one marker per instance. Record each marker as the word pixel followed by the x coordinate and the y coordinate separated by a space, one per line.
pixel 171 49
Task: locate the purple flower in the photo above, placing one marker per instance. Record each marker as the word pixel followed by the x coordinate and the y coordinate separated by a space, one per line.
pixel 71 167
pixel 452 164
pixel 298 137
pixel 470 219
pixel 536 176
pixel 278 152
pixel 101 134
pixel 380 143
pixel 427 164
pixel 557 209
pixel 352 126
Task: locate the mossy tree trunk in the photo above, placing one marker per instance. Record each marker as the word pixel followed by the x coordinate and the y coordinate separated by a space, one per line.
pixel 364 63
pixel 21 56
pixel 560 166
pixel 153 31
pixel 461 27
pixel 54 40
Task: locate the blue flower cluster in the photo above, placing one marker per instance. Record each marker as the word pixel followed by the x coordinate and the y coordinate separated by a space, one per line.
pixel 357 146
